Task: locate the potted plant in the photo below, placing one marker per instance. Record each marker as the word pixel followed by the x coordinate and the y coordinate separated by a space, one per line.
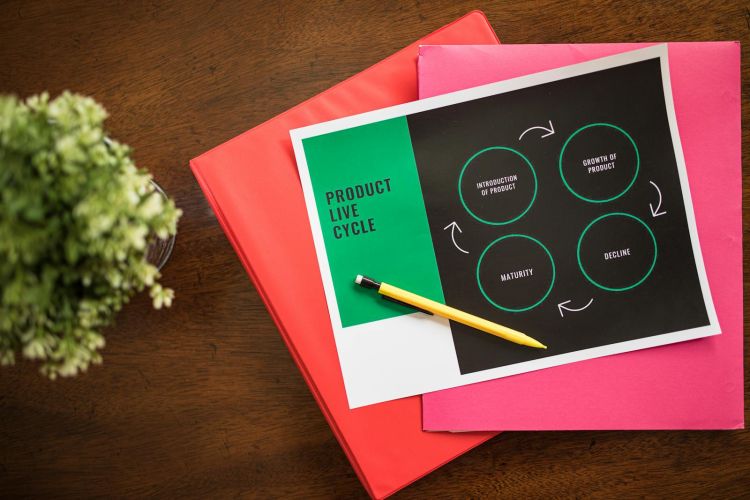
pixel 76 221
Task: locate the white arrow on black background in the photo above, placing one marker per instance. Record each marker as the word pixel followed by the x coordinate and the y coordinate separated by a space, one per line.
pixel 655 211
pixel 550 130
pixel 561 307
pixel 453 226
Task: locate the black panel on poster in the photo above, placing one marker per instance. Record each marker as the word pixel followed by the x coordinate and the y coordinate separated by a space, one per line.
pixel 523 215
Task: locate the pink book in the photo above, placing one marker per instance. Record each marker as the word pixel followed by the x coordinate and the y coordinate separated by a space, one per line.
pixel 691 385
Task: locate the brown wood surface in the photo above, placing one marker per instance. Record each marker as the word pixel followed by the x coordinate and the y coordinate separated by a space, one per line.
pixel 203 400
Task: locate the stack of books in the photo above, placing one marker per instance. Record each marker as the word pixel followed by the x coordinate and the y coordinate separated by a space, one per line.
pixel 265 200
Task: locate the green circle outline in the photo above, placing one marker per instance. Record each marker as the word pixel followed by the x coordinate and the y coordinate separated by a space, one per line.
pixel 610 289
pixel 461 176
pixel 637 162
pixel 546 294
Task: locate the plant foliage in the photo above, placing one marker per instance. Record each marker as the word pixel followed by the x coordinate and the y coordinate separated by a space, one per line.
pixel 76 218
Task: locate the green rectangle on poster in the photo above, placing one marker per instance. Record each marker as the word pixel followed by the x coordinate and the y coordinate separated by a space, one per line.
pixel 372 216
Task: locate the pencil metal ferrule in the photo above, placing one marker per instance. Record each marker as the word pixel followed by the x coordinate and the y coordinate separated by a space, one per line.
pixel 366 282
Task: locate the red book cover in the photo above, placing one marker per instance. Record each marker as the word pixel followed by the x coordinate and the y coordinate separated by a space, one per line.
pixel 651 388
pixel 253 186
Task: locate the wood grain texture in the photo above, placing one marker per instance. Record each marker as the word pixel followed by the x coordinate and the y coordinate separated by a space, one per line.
pixel 203 400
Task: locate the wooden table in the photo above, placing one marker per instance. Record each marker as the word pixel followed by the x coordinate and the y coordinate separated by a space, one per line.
pixel 203 400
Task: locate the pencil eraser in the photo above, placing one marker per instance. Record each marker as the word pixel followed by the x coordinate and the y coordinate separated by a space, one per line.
pixel 358 279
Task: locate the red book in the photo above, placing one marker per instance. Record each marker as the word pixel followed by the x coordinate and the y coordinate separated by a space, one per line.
pixel 253 186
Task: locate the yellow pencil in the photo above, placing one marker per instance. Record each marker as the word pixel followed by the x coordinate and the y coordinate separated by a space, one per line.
pixel 431 307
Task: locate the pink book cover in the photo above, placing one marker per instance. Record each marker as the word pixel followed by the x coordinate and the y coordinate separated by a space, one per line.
pixel 691 385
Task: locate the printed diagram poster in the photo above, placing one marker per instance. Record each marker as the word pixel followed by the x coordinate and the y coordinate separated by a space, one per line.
pixel 556 204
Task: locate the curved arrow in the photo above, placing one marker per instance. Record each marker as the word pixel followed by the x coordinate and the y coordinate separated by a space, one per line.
pixel 561 306
pixel 550 130
pixel 453 227
pixel 655 211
